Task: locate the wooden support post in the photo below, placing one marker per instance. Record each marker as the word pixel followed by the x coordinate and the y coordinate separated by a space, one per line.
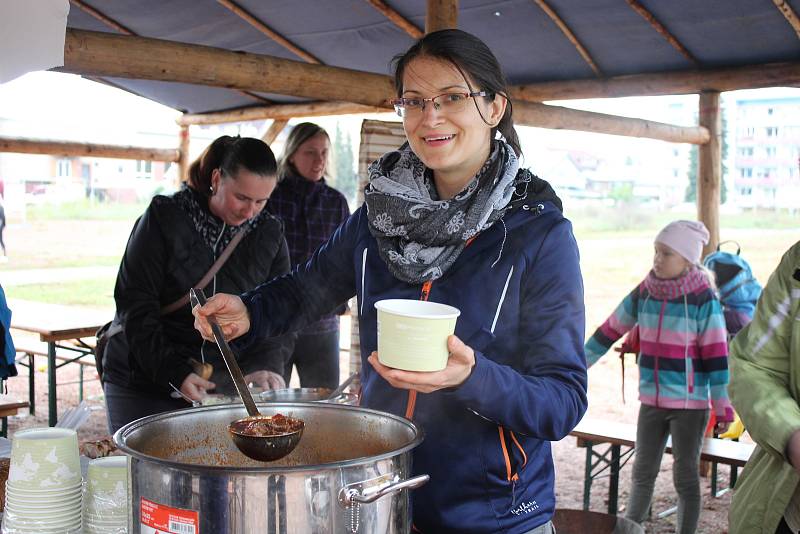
pixel 441 15
pixel 274 130
pixel 709 168
pixel 183 162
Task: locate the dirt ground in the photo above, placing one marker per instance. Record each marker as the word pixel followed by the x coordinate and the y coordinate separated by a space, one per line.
pixel 605 403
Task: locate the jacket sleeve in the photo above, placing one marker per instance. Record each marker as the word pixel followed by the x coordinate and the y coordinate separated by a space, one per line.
pixel 546 396
pixel 712 341
pixel 761 361
pixel 310 291
pixel 137 294
pixel 617 325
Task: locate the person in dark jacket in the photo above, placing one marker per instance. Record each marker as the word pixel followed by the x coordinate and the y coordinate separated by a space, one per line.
pixel 452 218
pixel 310 210
pixel 172 246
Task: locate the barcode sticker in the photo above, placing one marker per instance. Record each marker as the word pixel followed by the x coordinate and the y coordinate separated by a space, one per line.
pixel 181 528
pixel 160 519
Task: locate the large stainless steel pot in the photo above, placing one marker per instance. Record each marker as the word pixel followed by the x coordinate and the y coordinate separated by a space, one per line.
pixel 346 475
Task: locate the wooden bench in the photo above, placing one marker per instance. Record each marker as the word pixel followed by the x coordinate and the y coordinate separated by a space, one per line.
pixel 8 407
pixel 592 432
pixel 80 357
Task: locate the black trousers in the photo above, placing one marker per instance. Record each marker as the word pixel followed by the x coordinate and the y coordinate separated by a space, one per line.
pixel 124 405
pixel 783 528
pixel 316 356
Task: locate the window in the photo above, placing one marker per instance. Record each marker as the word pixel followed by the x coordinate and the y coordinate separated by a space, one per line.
pixel 746 151
pixel 746 172
pixel 745 191
pixel 144 170
pixel 769 111
pixel 64 168
pixel 771 151
pixel 772 131
pixel 750 131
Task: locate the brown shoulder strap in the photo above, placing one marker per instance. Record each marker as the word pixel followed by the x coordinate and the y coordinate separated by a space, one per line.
pixel 209 275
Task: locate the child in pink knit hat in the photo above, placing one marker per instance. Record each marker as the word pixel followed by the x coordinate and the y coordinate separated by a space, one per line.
pixel 683 366
pixel 687 238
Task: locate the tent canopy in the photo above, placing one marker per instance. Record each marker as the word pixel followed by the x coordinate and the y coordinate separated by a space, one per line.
pixel 529 44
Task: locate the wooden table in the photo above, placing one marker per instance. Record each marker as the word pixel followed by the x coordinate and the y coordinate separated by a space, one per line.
pixel 8 406
pixel 56 324
pixel 621 441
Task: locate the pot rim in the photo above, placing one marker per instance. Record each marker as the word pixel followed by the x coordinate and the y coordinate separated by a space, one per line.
pixel 121 435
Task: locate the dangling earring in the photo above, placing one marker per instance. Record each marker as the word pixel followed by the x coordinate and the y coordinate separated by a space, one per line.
pixel 211 188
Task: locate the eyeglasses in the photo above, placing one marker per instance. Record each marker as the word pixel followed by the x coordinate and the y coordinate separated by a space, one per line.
pixel 447 103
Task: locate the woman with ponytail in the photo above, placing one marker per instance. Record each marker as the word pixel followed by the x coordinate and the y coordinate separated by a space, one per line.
pixel 452 217
pixel 151 364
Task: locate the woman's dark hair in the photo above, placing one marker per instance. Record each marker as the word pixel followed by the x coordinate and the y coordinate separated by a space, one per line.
pixel 229 154
pixel 474 61
pixel 299 135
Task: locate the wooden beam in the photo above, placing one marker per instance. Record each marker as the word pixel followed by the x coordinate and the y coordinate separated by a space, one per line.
pixel 399 20
pixel 274 130
pixel 279 111
pixel 664 83
pixel 108 21
pixel 561 118
pixel 69 149
pixel 256 23
pixel 660 28
pixel 105 54
pixel 569 35
pixel 441 15
pixel 709 168
pixel 184 141
pixel 791 17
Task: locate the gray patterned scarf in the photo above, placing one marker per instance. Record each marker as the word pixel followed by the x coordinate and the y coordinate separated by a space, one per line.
pixel 420 236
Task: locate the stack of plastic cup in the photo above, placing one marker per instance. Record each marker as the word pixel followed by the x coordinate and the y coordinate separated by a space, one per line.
pixel 106 500
pixel 43 491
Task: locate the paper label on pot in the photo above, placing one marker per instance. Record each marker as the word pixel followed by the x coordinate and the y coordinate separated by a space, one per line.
pixel 160 519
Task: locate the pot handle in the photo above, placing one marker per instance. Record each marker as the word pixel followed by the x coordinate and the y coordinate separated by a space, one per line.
pixel 349 495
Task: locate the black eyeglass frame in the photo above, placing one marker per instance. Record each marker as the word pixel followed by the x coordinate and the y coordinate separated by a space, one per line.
pixel 400 107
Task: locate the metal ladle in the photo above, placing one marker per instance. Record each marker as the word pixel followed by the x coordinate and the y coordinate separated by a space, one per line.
pixel 261 448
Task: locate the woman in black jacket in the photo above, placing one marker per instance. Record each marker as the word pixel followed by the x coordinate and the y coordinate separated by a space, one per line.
pixel 172 246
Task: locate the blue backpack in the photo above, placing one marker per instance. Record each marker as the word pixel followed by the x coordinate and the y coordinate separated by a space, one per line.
pixel 737 287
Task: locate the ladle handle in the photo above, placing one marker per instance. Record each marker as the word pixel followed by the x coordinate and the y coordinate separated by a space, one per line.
pixel 197 296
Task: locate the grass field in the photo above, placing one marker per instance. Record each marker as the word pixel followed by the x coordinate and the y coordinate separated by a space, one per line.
pixel 615 245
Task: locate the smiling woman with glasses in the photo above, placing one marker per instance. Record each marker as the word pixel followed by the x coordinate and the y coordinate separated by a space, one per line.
pixel 452 217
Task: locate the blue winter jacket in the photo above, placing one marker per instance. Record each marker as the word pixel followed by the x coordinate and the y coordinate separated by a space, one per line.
pixel 7 352
pixel 487 442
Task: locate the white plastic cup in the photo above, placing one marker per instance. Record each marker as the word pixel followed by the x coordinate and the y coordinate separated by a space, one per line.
pixel 44 459
pixel 412 334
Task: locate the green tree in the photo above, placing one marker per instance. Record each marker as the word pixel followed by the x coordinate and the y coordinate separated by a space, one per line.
pixel 346 176
pixel 622 194
pixel 691 189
